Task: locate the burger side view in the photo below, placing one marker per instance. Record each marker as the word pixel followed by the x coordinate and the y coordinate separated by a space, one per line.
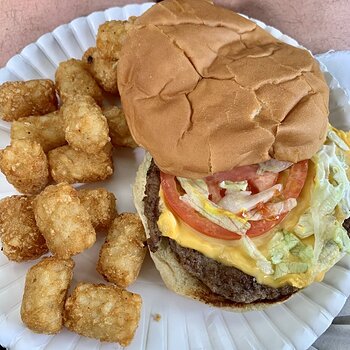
pixel 245 188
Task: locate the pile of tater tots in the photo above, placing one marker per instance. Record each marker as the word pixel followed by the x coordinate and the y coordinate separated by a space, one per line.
pixel 57 142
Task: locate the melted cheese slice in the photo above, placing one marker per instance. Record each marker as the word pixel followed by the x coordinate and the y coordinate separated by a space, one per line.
pixel 232 253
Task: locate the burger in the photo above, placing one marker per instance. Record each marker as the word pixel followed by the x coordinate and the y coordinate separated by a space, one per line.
pixel 244 188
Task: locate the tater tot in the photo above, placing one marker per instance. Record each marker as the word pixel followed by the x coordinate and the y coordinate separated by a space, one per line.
pixel 103 312
pixel 101 206
pixel 103 70
pixel 20 236
pixel 25 166
pixel 118 128
pixel 45 292
pixel 20 99
pixel 86 128
pixel 123 252
pixel 48 130
pixel 63 221
pixel 71 166
pixel 110 38
pixel 72 79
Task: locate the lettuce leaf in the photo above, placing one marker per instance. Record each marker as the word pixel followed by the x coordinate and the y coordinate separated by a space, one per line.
pixel 285 268
pixel 280 245
pixel 289 254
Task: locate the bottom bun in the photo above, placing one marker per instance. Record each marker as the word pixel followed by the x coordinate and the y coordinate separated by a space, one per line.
pixel 175 277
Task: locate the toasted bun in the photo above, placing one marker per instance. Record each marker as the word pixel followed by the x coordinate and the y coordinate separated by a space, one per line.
pixel 173 274
pixel 205 90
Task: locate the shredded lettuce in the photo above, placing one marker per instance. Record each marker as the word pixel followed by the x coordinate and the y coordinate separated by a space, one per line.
pixel 331 180
pixel 331 185
pixel 345 203
pixel 337 140
pixel 289 254
pixel 280 245
pixel 285 268
pixel 331 191
pixel 333 245
pixel 197 197
pixel 303 252
pixel 337 233
pixel 261 261
pixel 342 241
pixel 304 227
pixel 329 256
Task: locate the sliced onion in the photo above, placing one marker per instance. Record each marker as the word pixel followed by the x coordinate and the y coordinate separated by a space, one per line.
pixel 243 201
pixel 273 210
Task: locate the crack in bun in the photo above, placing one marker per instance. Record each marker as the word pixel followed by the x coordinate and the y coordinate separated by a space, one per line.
pixel 205 90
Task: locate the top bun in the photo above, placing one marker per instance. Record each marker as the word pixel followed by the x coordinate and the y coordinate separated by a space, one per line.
pixel 205 90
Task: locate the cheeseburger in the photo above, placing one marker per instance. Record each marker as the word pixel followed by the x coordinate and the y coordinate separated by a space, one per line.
pixel 245 186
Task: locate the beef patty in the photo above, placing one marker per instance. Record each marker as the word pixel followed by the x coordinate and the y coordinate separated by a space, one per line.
pixel 226 281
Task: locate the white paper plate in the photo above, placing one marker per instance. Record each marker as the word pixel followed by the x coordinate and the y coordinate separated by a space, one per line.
pixel 184 324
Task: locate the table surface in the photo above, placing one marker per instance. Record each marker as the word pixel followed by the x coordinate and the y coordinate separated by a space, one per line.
pixel 24 21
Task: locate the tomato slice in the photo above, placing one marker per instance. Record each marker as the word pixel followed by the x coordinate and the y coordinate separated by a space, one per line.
pixel 295 182
pixel 296 179
pixel 263 182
